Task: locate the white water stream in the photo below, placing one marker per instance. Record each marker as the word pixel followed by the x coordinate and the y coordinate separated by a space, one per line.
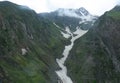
pixel 64 78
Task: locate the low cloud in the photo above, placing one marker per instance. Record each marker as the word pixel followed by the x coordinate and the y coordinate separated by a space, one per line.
pixel 96 7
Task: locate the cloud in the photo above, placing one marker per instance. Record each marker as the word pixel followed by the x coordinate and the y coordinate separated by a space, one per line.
pixel 94 6
pixel 97 7
pixel 37 5
pixel 118 3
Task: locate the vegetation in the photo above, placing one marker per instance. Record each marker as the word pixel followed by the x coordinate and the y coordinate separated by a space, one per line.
pixel 95 56
pixel 115 15
pixel 23 29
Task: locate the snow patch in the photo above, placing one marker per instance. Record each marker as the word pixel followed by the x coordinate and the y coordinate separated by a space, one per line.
pixel 72 13
pixel 82 13
pixel 65 35
pixel 67 29
pixel 56 25
pixel 24 51
pixel 88 18
pixel 63 72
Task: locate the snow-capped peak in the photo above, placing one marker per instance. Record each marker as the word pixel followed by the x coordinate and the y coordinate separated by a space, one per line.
pixel 81 13
pixel 73 12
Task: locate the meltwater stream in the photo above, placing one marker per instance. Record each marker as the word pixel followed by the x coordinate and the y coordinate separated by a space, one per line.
pixel 64 78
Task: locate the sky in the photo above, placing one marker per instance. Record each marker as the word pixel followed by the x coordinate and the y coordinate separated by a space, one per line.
pixel 95 7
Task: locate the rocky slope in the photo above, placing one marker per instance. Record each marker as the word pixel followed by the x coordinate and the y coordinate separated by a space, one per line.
pixel 28 46
pixel 95 58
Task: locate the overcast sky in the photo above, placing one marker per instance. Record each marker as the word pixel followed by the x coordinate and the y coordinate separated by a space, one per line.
pixel 96 7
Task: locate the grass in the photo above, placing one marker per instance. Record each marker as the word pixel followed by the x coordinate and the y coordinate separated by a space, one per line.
pixel 114 14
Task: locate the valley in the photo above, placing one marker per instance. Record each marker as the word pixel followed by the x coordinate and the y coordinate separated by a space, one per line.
pixel 63 46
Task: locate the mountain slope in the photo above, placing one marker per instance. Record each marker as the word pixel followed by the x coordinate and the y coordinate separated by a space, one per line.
pixel 71 18
pixel 95 58
pixel 28 46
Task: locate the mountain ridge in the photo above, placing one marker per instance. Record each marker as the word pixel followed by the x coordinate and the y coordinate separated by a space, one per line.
pixel 28 46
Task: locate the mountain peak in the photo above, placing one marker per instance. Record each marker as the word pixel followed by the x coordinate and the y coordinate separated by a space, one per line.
pixel 72 12
pixel 83 11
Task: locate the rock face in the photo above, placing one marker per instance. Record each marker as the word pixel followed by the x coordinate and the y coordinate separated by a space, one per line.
pixel 96 56
pixel 28 46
